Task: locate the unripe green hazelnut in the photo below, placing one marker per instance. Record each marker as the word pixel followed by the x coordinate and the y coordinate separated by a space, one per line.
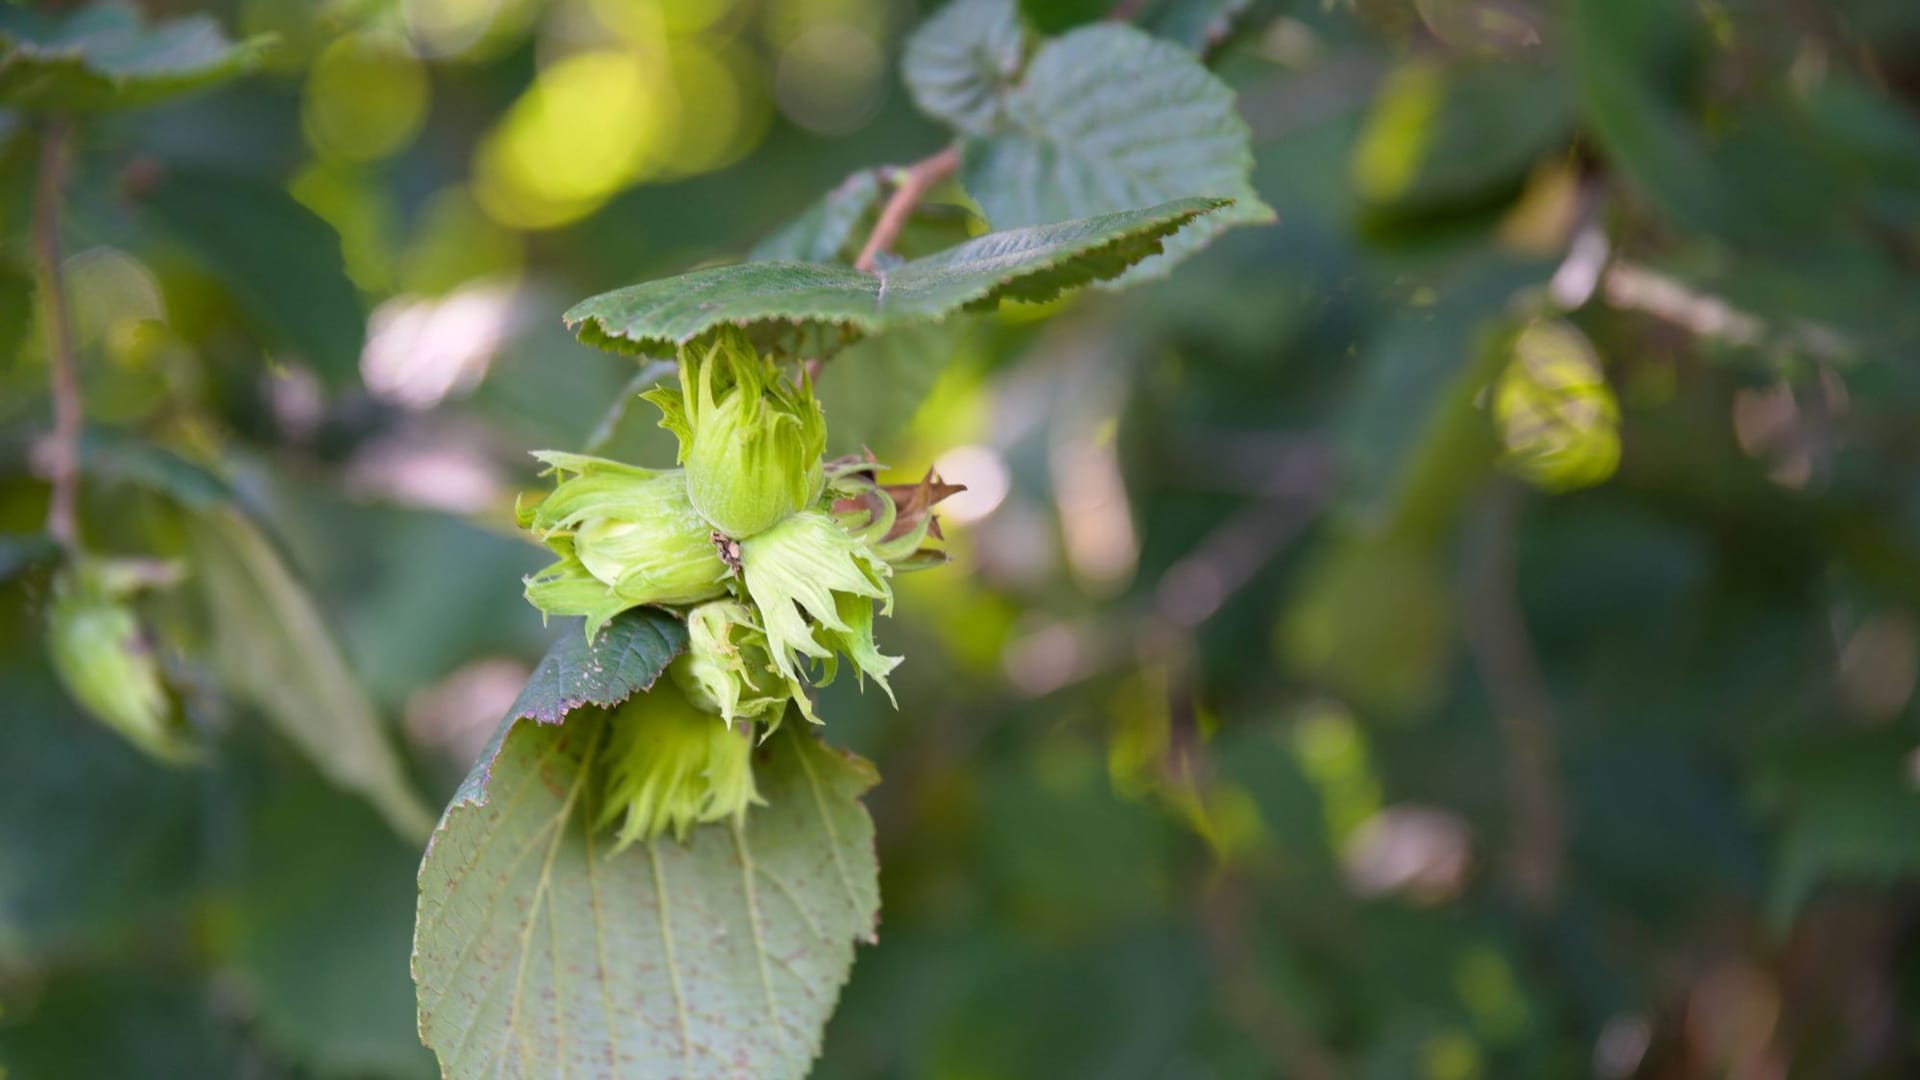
pixel 799 575
pixel 105 661
pixel 624 536
pixel 750 440
pixel 672 766
pixel 727 668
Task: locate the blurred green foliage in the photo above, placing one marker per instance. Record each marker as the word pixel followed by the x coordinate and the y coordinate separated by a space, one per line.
pixel 1467 630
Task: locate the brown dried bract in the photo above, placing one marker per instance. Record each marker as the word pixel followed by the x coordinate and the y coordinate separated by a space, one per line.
pixel 729 550
pixel 915 501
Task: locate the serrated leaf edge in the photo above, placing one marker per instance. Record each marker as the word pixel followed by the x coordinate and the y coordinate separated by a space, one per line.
pixel 591 329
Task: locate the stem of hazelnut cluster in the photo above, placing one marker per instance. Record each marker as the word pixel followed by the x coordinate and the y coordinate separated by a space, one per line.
pixel 63 446
pixel 914 183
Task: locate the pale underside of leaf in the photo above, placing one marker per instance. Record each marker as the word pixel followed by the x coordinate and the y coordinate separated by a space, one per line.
pixel 1108 117
pixel 1025 264
pixel 961 62
pixel 538 953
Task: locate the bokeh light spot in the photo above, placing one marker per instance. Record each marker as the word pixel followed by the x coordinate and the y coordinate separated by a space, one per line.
pixel 985 474
pixel 828 79
pixel 366 98
pixel 110 291
pixel 640 20
pixel 724 107
pixel 455 242
pixel 1332 752
pixel 589 126
pixel 463 27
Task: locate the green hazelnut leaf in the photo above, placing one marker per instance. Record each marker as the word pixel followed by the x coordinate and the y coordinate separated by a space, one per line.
pixel 1106 118
pixel 824 231
pixel 102 57
pixel 1200 25
pixel 1629 60
pixel 1034 264
pixel 1843 802
pixel 960 64
pixel 273 650
pixel 278 260
pixel 109 455
pixel 1457 134
pixel 539 952
pixel 318 927
pixel 624 660
pixel 114 842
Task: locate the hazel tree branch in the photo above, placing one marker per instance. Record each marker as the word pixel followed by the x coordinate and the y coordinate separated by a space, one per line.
pixel 62 448
pixel 913 184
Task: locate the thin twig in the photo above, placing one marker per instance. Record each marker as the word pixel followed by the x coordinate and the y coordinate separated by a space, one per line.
pixel 914 183
pixel 1503 650
pixel 1592 266
pixel 63 447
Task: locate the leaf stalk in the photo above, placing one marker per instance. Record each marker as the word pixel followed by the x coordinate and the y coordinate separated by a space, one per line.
pixel 913 184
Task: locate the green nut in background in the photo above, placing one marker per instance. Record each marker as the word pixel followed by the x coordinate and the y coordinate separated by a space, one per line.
pixel 104 659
